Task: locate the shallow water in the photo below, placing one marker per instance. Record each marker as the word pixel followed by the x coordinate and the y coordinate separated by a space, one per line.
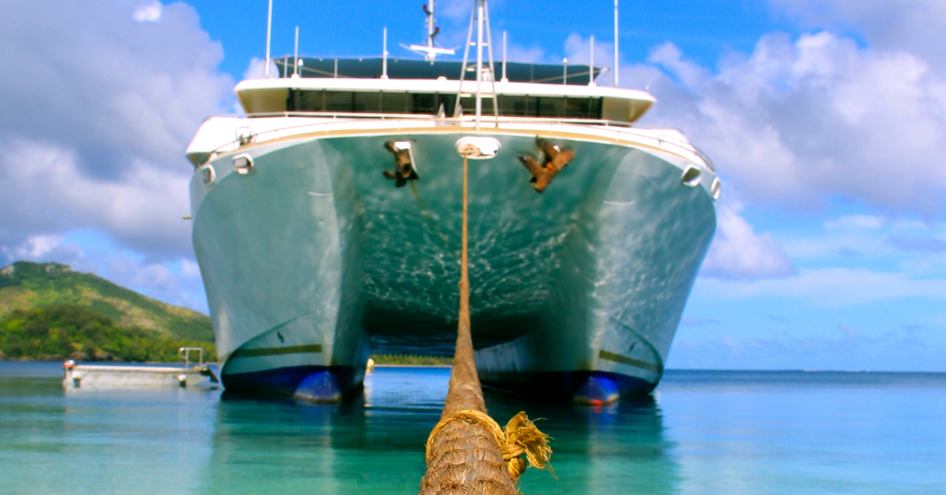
pixel 704 432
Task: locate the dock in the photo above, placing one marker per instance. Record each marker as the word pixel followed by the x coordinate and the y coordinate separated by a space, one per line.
pixel 194 374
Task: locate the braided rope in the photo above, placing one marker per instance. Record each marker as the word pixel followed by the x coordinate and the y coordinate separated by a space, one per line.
pixel 520 437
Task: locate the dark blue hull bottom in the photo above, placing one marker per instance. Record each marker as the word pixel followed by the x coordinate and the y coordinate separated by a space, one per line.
pixel 585 387
pixel 313 383
pixel 327 384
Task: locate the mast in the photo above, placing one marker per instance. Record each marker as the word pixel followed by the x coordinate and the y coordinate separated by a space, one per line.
pixel 504 79
pixel 616 36
pixel 479 60
pixel 479 15
pixel 269 35
pixel 430 26
pixel 295 56
pixel 429 50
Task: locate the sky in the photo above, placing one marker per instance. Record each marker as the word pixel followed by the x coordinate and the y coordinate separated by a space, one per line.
pixel 824 119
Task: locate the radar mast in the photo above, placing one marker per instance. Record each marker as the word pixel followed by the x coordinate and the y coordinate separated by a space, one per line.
pixel 430 50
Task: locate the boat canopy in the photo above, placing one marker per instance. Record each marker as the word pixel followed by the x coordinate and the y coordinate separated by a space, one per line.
pixel 420 69
pixel 358 88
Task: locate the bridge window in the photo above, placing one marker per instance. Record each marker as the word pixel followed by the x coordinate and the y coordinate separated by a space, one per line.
pixel 431 103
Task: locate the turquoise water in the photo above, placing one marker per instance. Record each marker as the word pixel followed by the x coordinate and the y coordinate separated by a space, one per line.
pixel 704 432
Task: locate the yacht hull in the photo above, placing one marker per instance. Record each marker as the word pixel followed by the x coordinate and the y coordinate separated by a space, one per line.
pixel 313 258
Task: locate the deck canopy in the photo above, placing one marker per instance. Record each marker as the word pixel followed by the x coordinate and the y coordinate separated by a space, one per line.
pixel 355 87
pixel 368 68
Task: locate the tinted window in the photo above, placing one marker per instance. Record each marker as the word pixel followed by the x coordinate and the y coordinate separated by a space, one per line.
pixel 427 103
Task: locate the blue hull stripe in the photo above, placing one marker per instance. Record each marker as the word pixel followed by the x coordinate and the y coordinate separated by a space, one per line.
pixel 286 381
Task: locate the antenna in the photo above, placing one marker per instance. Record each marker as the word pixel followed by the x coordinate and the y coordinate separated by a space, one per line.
pixel 504 79
pixel 269 34
pixel 492 69
pixel 616 59
pixel 591 65
pixel 429 50
pixel 295 56
pixel 384 55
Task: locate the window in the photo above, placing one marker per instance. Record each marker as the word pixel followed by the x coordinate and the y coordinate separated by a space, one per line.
pixel 395 103
pixel 367 102
pixel 431 103
pixel 339 102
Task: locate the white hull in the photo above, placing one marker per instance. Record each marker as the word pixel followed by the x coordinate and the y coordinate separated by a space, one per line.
pixel 314 258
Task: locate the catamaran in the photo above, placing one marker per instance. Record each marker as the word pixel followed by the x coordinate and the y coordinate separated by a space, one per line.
pixel 326 222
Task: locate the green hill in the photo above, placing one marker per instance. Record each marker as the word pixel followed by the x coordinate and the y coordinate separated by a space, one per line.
pixel 47 310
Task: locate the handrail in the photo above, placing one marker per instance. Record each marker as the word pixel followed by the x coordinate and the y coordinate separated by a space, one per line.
pixel 331 118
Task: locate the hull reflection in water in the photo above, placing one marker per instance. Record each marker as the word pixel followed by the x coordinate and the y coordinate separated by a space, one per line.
pixel 375 443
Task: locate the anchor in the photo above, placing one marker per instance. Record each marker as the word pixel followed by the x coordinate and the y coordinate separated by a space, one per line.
pixel 556 158
pixel 404 170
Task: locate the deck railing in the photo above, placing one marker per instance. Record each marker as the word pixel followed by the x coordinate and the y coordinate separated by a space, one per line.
pixel 485 121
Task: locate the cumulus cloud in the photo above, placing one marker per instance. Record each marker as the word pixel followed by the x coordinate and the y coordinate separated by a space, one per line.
pixel 144 210
pixel 256 69
pixel 913 246
pixel 670 57
pixel 833 286
pixel 738 252
pixel 909 26
pixel 96 120
pixel 797 122
pixel 173 281
pixel 37 246
pixel 148 13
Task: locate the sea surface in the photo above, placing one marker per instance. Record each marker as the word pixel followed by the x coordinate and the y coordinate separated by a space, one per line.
pixel 703 432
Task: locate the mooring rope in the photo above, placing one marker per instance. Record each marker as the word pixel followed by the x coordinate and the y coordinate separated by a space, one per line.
pixel 467 452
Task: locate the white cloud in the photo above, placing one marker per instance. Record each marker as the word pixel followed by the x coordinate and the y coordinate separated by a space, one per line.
pixel 96 120
pixel 148 13
pixel 578 51
pixel 143 210
pixel 667 55
pixel 916 247
pixel 170 280
pixel 911 26
pixel 738 252
pixel 831 287
pixel 855 222
pixel 520 53
pixel 256 69
pixel 800 121
pixel 37 246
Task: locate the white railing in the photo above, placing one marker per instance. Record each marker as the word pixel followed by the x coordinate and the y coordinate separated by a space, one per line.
pixel 334 119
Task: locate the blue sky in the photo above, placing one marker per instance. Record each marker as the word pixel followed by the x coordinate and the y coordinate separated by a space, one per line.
pixel 824 120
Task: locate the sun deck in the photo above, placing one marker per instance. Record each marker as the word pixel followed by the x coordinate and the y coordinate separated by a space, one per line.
pixel 410 87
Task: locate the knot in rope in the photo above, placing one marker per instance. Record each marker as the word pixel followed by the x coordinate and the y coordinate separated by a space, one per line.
pixel 521 437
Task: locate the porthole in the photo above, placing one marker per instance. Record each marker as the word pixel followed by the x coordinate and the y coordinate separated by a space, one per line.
pixel 243 164
pixel 691 177
pixel 207 173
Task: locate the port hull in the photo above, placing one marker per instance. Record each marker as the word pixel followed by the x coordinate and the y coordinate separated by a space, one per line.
pixel 314 258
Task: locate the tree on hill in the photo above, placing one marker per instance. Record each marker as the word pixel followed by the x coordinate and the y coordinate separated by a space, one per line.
pixel 62 331
pixel 25 285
